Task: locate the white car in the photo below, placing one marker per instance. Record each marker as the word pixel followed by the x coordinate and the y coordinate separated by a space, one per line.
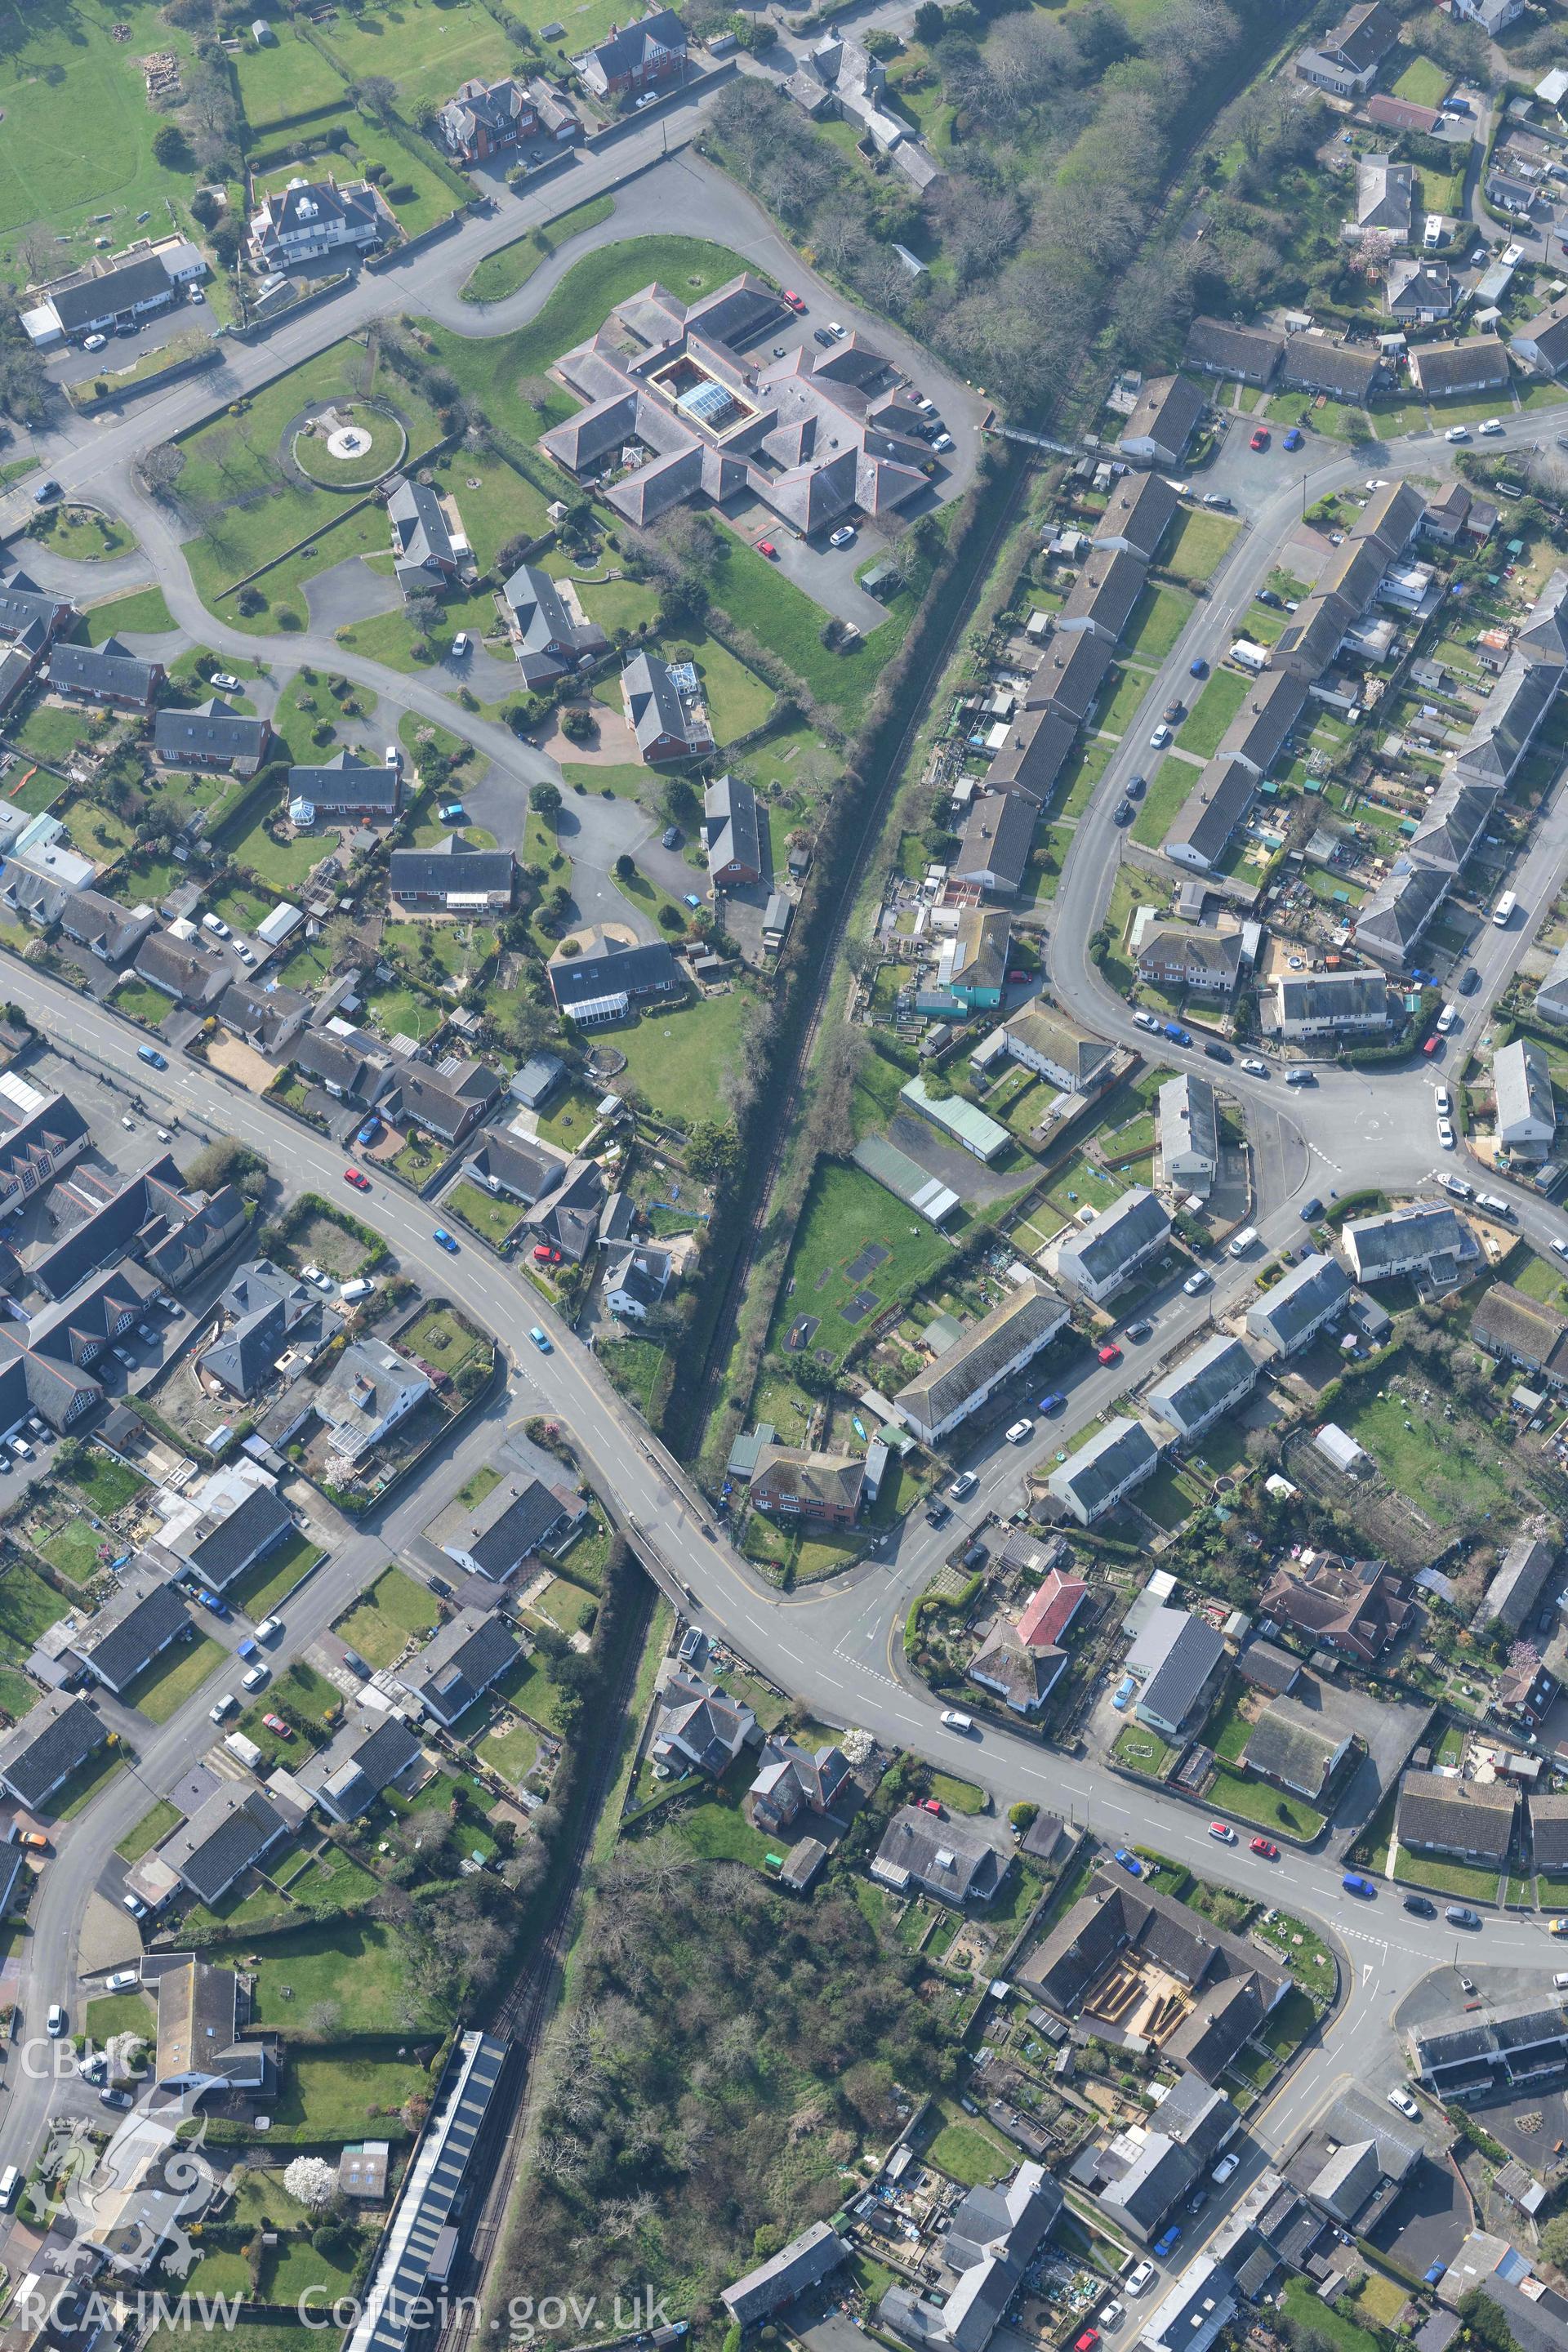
pixel 197 295
pixel 93 343
pixel 123 1980
pixel 224 1708
pixel 1405 2103
pixel 1138 2280
pixel 1160 737
pixel 1458 432
pixel 1254 1068
pixel 460 644
pixel 836 330
pixel 1019 1431
pixel 1561 1247
pixel 1195 1282
pixel 270 1629
pixel 1492 425
pixel 392 760
pixel 964 1484
pixel 1444 1135
pixel 254 1677
pixel 843 537
pixel 133 1904
pixel 953 1721
pixel 1442 1102
pixel 1111 2317
pixel 1145 1020
pixel 224 680
pixel 56 2019
pixel 1223 2168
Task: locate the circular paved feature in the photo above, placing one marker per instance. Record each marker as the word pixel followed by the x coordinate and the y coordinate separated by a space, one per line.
pixel 349 448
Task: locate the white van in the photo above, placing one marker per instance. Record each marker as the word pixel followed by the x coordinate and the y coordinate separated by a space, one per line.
pixel 1244 1241
pixel 358 1288
pixel 10 2187
pixel 1502 913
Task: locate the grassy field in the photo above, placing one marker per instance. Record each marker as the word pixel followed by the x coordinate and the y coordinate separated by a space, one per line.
pixel 383 1620
pixel 1168 789
pixel 327 2097
pixel 1157 620
pixel 1211 715
pixel 1438 1465
pixel 78 132
pixel 969 2154
pixel 28 1608
pixel 738 701
pixel 500 274
pixel 427 51
pixel 845 1211
pixel 285 865
pixel 285 83
pixel 1424 83
pixel 678 1059
pixel 74 1550
pixel 1197 544
pixel 152 1827
pixel 174 1677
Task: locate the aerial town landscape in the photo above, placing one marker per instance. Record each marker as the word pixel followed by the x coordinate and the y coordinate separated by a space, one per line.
pixel 783 1175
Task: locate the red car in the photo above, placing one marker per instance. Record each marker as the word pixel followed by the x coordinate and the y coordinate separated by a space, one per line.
pixel 793 300
pixel 931 1806
pixel 276 1723
pixel 1434 1045
pixel 1110 1353
pixel 1267 1848
pixel 1087 2340
pixel 351 1176
pixel 765 547
pixel 1260 438
pixel 545 1255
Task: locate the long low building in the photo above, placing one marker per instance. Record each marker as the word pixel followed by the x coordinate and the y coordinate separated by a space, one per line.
pixel 961 1379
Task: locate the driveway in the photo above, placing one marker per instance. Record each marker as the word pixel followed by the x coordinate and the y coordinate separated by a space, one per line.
pixel 350 592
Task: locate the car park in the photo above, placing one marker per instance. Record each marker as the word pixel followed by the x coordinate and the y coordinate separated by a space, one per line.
pixel 1019 1431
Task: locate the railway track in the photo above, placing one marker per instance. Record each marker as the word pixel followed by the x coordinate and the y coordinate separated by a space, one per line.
pixel 521 2017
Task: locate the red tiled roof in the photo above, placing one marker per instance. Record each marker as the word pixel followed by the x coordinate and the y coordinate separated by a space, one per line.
pixel 1047 1616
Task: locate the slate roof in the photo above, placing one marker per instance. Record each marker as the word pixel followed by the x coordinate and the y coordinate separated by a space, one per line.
pixel 51 1740
pixel 131 1630
pixel 1139 509
pixel 1257 733
pixel 1511 1323
pixel 1474 1817
pixel 1286 1744
pixel 460 1661
pixel 443 1100
pixel 806 2260
pixel 645 971
pixel 222 1837
pixel 813 1480
pixel 1376 1245
pixel 998 834
pixel 654 707
pixel 451 868
pixel 1040 740
pixel 524 1170
pixel 1042 1030
pixel 1104 593
pixel 1167 411
pixel 107 669
pixel 1120 1237
pixel 1173 1690
pixel 346 781
pixel 361 1761
pixel 421 535
pixel 213 730
pixel 1071 672
pixel 1219 801
pixel 1477 364
pixel 1313 1287
pixel 731 825
pixel 226 1548
pixel 1221 348
pixel 1548 1819
pixel 548 639
pixel 504 1530
pixel 1318 364
pixel 947 1856
pixel 1211 1378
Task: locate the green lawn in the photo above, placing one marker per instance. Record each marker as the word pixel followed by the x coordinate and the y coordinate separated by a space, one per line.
pixel 330 2097
pixel 500 274
pixel 718 1831
pixel 106 1483
pixel 1424 83
pixel 174 1677
pixel 677 1059
pixel 285 83
pixel 846 1211
pixel 738 701
pixel 1211 715
pixel 439 1338
pixel 78 132
pixel 1158 619
pixel 286 865
pixel 28 1608
pixel 426 51
pixel 970 2154
pixel 1169 787
pixel 1196 546
pixel 75 1550
pixel 118 2013
pixel 149 1830
pixel 358 1964
pixel 512 1754
pixel 1455 1878
pixel 489 1213
pixel 385 1619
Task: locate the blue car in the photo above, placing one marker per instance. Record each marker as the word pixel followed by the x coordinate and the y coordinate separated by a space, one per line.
pixel 1053 1403
pixel 1353 1883
pixel 540 1340
pixel 1293 438
pixel 1199 669
pixel 1171 2238
pixel 1129 1862
pixel 150 1055
pixel 210 1600
pixel 445 1238
pixel 1121 1697
pixel 370 1132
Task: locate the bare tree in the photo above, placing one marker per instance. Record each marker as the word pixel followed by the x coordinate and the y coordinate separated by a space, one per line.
pixel 160 468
